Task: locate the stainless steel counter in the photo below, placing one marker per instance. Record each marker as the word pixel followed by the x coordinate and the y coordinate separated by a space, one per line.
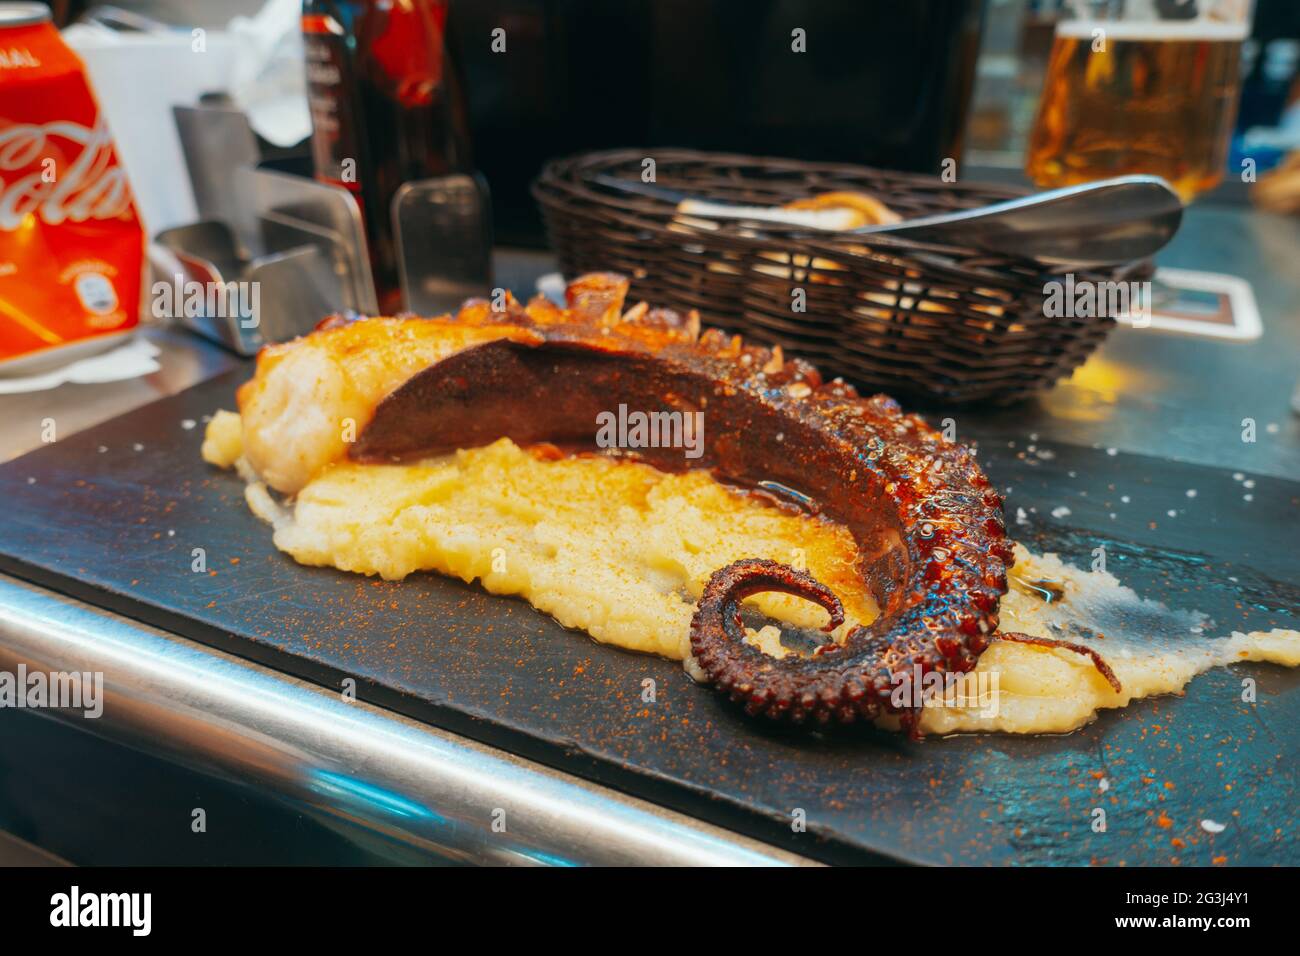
pixel 1175 396
pixel 439 796
pixel 429 796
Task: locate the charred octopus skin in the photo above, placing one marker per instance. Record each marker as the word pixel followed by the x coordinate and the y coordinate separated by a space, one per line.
pixel 929 529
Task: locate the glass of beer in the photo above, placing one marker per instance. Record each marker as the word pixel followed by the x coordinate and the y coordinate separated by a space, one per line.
pixel 1140 86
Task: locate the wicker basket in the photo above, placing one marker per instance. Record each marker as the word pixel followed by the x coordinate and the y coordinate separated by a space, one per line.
pixel 899 315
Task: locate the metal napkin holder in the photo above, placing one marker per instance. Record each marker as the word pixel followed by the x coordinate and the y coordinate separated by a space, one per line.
pixel 287 251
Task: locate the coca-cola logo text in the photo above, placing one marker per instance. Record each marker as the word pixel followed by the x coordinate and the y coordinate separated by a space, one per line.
pixel 91 186
pixel 18 58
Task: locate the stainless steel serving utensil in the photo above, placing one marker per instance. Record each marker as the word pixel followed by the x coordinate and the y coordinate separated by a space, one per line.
pixel 295 285
pixel 218 142
pixel 325 216
pixel 1095 224
pixel 443 227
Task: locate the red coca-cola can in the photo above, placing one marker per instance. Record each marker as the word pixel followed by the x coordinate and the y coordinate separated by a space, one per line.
pixel 71 242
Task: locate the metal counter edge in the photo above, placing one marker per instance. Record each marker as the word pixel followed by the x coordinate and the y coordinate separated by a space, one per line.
pixel 435 792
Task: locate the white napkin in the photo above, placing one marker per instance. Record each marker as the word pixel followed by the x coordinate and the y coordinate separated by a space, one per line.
pixel 267 78
pixel 136 357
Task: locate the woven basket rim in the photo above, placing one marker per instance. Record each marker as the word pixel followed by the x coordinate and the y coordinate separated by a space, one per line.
pixel 917 318
pixel 645 213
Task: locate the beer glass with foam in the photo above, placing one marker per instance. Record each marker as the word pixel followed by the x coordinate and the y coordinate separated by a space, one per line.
pixel 1140 86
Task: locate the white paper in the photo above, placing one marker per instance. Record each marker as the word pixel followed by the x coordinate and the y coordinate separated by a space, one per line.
pixel 134 358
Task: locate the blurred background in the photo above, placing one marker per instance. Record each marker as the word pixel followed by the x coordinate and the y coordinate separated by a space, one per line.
pixel 897 85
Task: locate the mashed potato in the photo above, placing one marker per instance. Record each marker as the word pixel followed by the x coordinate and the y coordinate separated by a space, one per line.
pixel 622 551
pixel 1049 690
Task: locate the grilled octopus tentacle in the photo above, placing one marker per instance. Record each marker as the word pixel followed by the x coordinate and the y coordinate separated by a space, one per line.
pixel 838 683
pixel 929 529
pixel 718 640
pixel 787 687
pixel 1099 662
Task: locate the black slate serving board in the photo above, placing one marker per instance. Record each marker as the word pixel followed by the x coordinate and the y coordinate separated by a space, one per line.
pixel 111 515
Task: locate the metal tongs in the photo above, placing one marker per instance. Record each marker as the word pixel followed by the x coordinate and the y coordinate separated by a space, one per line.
pixel 1096 224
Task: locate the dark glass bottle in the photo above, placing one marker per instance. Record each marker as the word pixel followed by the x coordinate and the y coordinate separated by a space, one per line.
pixel 387 108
